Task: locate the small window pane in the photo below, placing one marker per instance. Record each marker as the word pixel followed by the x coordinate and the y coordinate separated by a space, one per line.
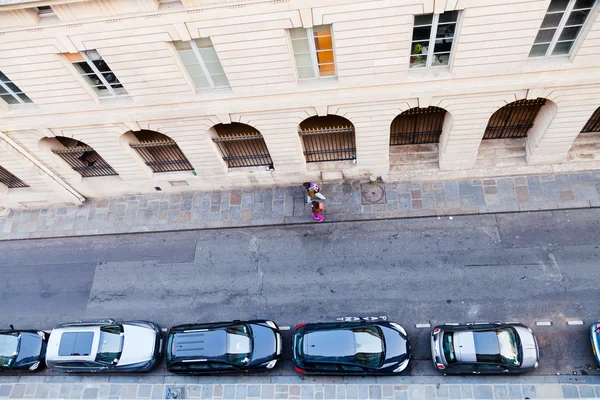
pixel 298 33
pixel 323 43
pixel 584 4
pixel 2 90
pixel 188 57
pixel 220 80
pixel 200 82
pixel 445 31
pixel 538 50
pixel 214 68
pixel 420 47
pixel 577 17
pixel 3 78
pixel 203 43
pixel 300 46
pixel 182 45
pixel 101 65
pixel 326 69
pixel 421 33
pixel 9 99
pixel 325 57
pixel 423 19
pixel 24 97
pixel 12 87
pixel 322 30
pixel 569 33
pixel 443 46
pixel 305 72
pixel 440 59
pixel 418 61
pixel 303 60
pixel 562 48
pixel 545 36
pixel 209 55
pixel 110 77
pixel 194 70
pixel 551 20
pixel 450 16
pixel 558 5
pixel 84 68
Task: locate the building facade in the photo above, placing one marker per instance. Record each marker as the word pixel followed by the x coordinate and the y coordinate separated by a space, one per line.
pixel 116 97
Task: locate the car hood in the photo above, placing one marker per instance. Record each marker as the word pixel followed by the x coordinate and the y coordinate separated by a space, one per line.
pixel 30 350
pixel 138 345
pixel 397 348
pixel 265 344
pixel 529 346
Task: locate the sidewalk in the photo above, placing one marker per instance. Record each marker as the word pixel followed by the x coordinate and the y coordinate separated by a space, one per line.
pixel 347 201
pixel 291 387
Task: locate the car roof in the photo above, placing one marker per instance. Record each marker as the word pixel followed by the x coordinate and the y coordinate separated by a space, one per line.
pixel 329 343
pixel 67 341
pixel 201 343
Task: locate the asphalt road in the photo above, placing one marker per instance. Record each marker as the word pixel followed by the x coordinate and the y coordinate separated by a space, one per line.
pixel 523 267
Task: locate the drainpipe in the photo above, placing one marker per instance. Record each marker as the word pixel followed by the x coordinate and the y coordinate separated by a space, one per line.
pixel 74 194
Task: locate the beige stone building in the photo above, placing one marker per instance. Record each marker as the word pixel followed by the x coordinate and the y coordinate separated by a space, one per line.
pixel 115 97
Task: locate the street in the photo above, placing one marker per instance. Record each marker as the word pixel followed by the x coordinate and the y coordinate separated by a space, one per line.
pixel 526 267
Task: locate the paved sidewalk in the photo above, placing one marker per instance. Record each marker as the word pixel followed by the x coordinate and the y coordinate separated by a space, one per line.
pixel 346 201
pixel 290 387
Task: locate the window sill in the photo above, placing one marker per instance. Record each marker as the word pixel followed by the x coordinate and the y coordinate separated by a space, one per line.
pixel 541 64
pixel 319 82
pixel 425 74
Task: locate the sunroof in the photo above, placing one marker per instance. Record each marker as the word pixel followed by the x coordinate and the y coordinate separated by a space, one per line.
pixel 76 344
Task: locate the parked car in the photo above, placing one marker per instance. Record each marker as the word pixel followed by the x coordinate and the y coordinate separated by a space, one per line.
pixel 595 338
pixel 105 346
pixel 22 350
pixel 353 348
pixel 237 346
pixel 492 348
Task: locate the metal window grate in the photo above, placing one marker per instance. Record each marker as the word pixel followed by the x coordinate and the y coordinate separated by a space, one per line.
pixel 514 119
pixel 417 126
pixel 331 143
pixel 10 180
pixel 593 124
pixel 162 155
pixel 86 161
pixel 244 149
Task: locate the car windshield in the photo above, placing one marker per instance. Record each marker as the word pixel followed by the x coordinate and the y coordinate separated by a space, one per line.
pixel 9 348
pixel 368 346
pixel 496 346
pixel 111 344
pixel 448 347
pixel 239 345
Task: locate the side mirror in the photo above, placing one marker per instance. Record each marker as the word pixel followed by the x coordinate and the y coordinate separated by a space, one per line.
pixel 12 328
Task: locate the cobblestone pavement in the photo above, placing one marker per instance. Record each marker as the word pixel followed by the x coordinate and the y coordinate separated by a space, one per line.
pixel 254 387
pixel 346 201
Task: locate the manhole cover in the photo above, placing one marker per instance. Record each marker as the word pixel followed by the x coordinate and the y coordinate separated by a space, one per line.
pixel 372 193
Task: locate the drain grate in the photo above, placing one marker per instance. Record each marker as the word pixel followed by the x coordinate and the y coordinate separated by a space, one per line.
pixel 372 193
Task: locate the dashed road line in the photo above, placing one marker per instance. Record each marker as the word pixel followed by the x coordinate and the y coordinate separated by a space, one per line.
pixel 452 323
pixel 543 323
pixel 164 329
pixel 423 326
pixel 576 322
pixel 285 328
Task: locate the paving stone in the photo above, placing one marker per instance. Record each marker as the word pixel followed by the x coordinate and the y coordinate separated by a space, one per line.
pixel 5 390
pixel 144 391
pixel 522 194
pixel 30 389
pixel 455 392
pixel 207 392
pixel 340 392
pixel 253 391
pixel 363 392
pixel 388 390
pixel 90 393
pixel 442 391
pixel 466 392
pixel 240 392
pixel 267 392
pixel 570 391
pixel 545 392
pixel 483 392
pixel 586 392
pixel 352 392
pixel 400 395
pixel 18 391
pixel 500 392
pixel 229 391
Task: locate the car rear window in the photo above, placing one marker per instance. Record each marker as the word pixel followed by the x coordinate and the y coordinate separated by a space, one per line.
pixel 496 346
pixel 368 346
pixel 9 346
pixel 111 344
pixel 448 347
pixel 239 345
pixel 76 344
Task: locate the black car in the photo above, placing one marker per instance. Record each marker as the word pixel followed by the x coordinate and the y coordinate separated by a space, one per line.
pixel 22 349
pixel 236 346
pixel 490 348
pixel 105 346
pixel 358 348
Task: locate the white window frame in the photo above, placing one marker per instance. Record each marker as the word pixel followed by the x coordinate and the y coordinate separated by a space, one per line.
pixel 14 95
pixel 310 34
pixel 99 75
pixel 203 66
pixel 559 29
pixel 432 37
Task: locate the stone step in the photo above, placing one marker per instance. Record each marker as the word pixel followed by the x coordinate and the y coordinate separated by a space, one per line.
pixel 509 152
pixel 501 143
pixel 583 156
pixel 500 162
pixel 414 148
pixel 413 158
pixel 410 168
pixel 585 147
pixel 587 137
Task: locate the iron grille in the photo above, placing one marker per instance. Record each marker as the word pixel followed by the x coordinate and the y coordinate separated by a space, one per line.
pixel 513 120
pixel 10 180
pixel 417 126
pixel 336 143
pixel 243 150
pixel 162 155
pixel 593 124
pixel 86 161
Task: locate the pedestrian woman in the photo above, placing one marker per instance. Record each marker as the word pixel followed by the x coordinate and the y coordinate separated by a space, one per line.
pixel 317 208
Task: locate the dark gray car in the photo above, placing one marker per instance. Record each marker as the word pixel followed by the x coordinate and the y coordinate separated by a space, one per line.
pixel 489 348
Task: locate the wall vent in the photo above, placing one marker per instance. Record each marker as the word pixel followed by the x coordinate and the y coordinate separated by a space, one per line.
pixel 179 183
pixel 110 21
pixel 194 10
pixel 152 15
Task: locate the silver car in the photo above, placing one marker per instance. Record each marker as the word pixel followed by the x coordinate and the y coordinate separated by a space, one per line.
pixel 489 348
pixel 105 345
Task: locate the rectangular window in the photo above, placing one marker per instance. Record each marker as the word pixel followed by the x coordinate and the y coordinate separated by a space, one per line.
pixel 313 51
pixel 44 10
pixel 10 93
pixel 561 26
pixel 96 72
pixel 433 36
pixel 202 63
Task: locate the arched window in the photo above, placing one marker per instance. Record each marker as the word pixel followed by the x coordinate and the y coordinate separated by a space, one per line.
pixel 241 145
pixel 593 124
pixel 514 119
pixel 10 180
pixel 329 138
pixel 160 152
pixel 82 158
pixel 417 126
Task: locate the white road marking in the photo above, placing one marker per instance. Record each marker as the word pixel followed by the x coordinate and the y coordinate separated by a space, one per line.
pixel 423 326
pixel 543 323
pixel 452 323
pixel 164 329
pixel 285 328
pixel 578 322
pixel 513 322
